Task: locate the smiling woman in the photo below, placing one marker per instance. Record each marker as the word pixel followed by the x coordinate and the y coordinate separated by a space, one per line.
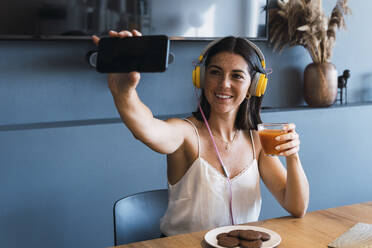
pixel 205 190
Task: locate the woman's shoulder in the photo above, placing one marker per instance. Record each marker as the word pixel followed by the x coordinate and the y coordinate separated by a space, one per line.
pixel 255 136
pixel 251 131
pixel 254 133
pixel 194 121
pixel 189 148
pixel 187 124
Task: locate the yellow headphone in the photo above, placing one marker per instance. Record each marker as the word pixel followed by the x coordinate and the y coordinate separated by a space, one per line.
pixel 258 82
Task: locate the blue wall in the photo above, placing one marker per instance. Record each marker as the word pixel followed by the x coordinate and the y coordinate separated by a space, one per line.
pixel 65 157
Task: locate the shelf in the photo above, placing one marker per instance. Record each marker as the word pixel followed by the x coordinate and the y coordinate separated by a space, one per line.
pixel 266 109
pixel 106 121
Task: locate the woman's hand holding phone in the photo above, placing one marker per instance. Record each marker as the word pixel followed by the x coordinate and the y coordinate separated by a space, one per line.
pixel 121 84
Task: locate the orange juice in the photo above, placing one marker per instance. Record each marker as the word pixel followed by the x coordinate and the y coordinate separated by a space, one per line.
pixel 268 142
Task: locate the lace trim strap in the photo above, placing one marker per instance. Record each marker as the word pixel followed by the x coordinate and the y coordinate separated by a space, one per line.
pixel 254 150
pixel 197 134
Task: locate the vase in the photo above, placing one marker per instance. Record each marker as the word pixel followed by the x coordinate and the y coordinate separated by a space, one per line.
pixel 320 84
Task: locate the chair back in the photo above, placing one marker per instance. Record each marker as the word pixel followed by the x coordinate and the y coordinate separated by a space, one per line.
pixel 137 217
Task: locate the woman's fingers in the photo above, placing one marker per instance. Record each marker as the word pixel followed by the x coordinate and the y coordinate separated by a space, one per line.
pixel 95 40
pixel 125 33
pixel 291 141
pixel 134 76
pixel 289 127
pixel 288 136
pixel 113 33
pixel 136 33
pixel 289 152
pixel 121 34
pixel 290 133
pixel 288 145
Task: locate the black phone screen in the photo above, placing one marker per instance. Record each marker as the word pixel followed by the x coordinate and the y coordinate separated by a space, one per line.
pixel 139 53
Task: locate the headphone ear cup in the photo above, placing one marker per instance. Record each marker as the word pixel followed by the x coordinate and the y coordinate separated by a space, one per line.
pixel 258 84
pixel 261 85
pixel 264 84
pixel 196 77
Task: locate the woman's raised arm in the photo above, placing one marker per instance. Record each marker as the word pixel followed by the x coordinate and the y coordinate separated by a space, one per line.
pixel 161 136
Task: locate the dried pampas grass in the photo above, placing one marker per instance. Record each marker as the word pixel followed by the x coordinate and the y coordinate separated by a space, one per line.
pixel 303 22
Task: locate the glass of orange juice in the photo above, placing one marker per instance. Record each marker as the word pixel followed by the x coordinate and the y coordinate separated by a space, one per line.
pixel 267 133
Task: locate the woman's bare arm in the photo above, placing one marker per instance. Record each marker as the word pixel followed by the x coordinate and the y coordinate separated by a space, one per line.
pixel 161 136
pixel 290 187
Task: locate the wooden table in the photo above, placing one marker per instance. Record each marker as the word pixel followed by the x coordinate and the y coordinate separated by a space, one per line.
pixel 317 229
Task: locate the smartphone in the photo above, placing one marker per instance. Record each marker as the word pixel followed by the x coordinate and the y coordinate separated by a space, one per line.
pixel 140 53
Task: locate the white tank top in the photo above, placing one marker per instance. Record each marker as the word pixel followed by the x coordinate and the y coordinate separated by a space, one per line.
pixel 200 199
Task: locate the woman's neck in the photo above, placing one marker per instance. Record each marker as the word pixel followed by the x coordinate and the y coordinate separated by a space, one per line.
pixel 223 125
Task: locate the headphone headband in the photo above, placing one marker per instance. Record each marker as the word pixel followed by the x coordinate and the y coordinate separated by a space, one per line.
pixel 254 46
pixel 258 51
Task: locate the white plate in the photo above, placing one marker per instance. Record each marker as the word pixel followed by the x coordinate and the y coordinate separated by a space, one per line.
pixel 210 237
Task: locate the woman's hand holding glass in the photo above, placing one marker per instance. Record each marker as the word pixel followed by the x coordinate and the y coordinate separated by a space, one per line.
pixel 291 140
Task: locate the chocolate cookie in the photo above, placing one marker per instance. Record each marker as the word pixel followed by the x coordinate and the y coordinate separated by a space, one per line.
pixel 265 236
pixel 250 244
pixel 249 235
pixel 228 241
pixel 234 233
pixel 221 235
